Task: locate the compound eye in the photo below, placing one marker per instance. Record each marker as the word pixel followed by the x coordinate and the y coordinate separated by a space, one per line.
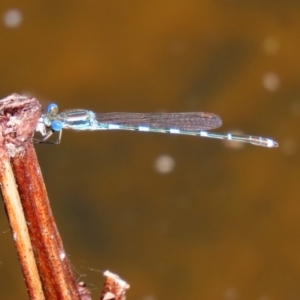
pixel 56 125
pixel 52 108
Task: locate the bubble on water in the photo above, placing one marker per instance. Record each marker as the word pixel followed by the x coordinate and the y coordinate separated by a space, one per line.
pixel 164 164
pixel 12 18
pixel 271 81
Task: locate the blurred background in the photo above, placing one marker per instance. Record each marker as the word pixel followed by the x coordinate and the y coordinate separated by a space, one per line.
pixel 175 216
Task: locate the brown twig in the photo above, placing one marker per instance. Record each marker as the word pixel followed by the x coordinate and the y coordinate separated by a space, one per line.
pixel 85 294
pixel 8 147
pixel 53 264
pixel 19 227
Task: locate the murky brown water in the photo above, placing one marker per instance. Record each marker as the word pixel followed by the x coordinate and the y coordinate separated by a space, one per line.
pixel 223 223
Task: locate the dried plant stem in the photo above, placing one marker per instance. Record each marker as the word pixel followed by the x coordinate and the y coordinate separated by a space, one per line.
pixel 54 267
pixel 114 287
pixel 19 228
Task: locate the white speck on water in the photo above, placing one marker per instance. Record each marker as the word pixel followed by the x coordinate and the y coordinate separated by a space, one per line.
pixel 12 18
pixel 271 82
pixel 164 164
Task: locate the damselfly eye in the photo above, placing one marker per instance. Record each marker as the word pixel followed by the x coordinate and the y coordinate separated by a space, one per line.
pixel 56 125
pixel 52 108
